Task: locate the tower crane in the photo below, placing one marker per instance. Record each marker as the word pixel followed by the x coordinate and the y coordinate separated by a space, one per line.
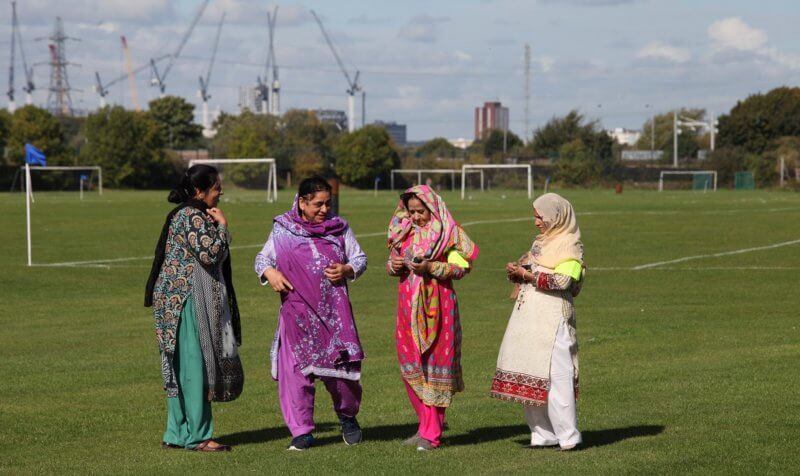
pixel 269 92
pixel 16 37
pixel 102 89
pixel 160 77
pixel 352 85
pixel 203 92
pixel 131 76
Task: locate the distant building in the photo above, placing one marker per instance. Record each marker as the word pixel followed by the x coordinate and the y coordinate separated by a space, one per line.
pixel 625 136
pixel 249 99
pixel 491 116
pixel 396 131
pixel 332 116
pixel 461 142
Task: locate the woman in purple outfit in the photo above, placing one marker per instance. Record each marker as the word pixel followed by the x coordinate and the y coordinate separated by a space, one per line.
pixel 309 257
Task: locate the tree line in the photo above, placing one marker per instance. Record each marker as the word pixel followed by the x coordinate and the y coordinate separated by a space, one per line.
pixel 136 149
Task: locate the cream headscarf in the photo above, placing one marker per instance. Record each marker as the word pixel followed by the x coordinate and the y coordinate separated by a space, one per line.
pixel 561 239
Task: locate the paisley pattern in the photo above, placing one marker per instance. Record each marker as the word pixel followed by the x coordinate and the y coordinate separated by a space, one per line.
pixel 194 239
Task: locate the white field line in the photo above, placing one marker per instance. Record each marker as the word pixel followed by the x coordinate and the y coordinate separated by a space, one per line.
pixel 715 255
pixel 103 263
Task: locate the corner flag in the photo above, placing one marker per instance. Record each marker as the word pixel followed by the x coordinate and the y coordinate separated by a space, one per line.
pixel 34 156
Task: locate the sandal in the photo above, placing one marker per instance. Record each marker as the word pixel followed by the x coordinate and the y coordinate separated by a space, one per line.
pixel 170 446
pixel 204 447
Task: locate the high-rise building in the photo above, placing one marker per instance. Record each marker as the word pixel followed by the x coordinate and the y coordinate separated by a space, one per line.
pixel 332 116
pixel 491 116
pixel 396 131
pixel 249 99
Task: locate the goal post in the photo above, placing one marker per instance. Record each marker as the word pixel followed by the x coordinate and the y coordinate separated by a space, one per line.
pixel 29 193
pixel 467 168
pixel 47 168
pixel 694 173
pixel 419 172
pixel 272 173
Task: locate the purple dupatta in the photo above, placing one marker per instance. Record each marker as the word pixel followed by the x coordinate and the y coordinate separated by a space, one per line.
pixel 316 318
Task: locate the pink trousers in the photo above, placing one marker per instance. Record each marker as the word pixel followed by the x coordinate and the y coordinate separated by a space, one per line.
pixel 431 419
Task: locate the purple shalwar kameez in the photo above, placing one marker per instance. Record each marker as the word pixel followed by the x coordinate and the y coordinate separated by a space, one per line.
pixel 316 334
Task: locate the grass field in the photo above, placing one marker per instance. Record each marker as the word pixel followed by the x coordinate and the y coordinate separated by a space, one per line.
pixel 687 365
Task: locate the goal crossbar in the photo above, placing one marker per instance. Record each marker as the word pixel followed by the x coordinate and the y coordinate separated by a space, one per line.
pixel 72 167
pixel 713 173
pixel 272 174
pixel 419 172
pixel 467 168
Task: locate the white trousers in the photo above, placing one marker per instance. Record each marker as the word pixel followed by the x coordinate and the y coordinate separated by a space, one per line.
pixel 557 422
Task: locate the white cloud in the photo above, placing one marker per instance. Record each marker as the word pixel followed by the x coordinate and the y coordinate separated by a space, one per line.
pixel 422 28
pixel 733 33
pixel 254 12
pixel 462 56
pixel 663 51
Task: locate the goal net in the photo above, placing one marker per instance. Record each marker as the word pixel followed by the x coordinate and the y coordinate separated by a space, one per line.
pixel 56 178
pixel 247 173
pixel 441 179
pixel 702 180
pixel 504 177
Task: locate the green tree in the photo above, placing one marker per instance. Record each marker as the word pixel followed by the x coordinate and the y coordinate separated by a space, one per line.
pixel 558 131
pixel 174 117
pixel 575 164
pixel 5 126
pixel 247 135
pixel 437 147
pixel 30 124
pixel 128 146
pixel 689 140
pixel 365 154
pixel 760 119
pixel 492 144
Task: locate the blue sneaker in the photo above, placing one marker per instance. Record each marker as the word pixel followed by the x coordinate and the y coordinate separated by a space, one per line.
pixel 351 432
pixel 301 443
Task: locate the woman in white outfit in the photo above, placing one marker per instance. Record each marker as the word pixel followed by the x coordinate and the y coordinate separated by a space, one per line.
pixel 538 361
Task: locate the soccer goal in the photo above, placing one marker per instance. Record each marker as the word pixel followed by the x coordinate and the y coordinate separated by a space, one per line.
pixel 27 168
pixel 472 168
pixel 74 177
pixel 272 173
pixel 419 172
pixel 701 179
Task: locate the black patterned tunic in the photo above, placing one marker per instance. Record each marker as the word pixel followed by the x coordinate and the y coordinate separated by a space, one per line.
pixel 193 239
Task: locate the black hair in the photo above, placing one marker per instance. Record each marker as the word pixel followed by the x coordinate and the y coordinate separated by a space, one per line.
pixel 406 196
pixel 312 185
pixel 199 177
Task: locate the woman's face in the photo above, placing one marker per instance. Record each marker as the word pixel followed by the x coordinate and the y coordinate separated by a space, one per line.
pixel 210 196
pixel 316 208
pixel 539 221
pixel 420 215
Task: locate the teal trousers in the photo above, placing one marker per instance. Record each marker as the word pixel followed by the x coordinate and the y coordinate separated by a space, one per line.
pixel 189 421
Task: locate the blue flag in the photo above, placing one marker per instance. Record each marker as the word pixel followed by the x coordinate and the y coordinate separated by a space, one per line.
pixel 34 156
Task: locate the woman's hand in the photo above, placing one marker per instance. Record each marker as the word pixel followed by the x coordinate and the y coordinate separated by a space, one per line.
pixel 337 272
pixel 515 273
pixel 217 215
pixel 396 263
pixel 277 281
pixel 421 268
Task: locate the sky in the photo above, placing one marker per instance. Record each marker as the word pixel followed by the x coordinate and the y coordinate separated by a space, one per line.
pixel 428 64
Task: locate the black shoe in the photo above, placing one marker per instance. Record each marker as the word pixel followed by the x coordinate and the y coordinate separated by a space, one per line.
pixel 301 443
pixel 351 432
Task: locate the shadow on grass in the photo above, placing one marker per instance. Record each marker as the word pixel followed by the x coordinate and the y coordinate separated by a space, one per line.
pixel 265 435
pixel 596 438
pixel 374 433
pixel 486 434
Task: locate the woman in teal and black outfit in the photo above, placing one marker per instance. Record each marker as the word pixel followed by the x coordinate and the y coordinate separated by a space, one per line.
pixel 196 317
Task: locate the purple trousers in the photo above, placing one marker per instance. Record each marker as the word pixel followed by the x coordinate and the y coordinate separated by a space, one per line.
pixel 296 393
